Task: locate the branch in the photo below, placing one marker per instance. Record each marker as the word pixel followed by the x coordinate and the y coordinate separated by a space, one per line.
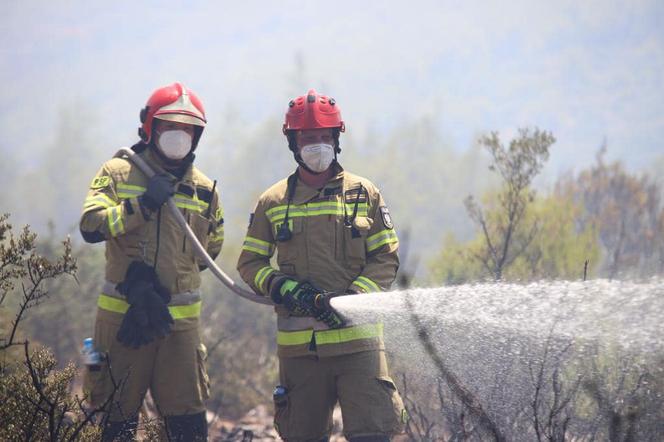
pixel 531 236
pixel 23 306
pixel 89 415
pixel 467 398
pixel 40 390
pixel 487 237
pixel 484 262
pixel 475 213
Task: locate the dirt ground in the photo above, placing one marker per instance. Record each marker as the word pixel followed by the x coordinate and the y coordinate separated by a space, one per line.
pixel 257 425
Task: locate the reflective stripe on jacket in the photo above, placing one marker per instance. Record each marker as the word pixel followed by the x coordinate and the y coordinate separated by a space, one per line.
pixel 182 305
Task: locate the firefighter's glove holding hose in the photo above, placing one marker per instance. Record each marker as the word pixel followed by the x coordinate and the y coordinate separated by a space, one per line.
pixel 160 188
pixel 303 299
pixel 297 297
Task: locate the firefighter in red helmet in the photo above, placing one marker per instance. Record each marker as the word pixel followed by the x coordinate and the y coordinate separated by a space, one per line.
pixel 148 311
pixel 332 232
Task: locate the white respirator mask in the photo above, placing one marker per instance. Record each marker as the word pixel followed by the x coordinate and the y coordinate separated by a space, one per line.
pixel 175 144
pixel 317 157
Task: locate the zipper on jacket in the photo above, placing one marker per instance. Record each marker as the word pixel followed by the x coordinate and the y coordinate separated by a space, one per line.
pixel 184 238
pixel 156 252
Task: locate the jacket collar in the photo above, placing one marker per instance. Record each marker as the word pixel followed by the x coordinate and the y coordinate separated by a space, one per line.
pixel 304 193
pixel 185 173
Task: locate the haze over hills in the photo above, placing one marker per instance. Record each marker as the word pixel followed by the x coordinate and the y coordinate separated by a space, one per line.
pixel 423 77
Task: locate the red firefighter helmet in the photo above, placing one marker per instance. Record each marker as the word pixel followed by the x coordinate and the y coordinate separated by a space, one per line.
pixel 174 102
pixel 313 111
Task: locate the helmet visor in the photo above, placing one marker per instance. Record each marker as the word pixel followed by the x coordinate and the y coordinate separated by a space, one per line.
pixel 181 118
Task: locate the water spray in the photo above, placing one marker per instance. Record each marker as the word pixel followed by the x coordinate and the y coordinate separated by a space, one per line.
pixel 521 357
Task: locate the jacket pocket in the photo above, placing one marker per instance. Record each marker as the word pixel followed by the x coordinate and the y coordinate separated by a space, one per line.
pixel 354 238
pixel 393 413
pixel 97 386
pixel 281 414
pixel 287 250
pixel 132 244
pixel 200 225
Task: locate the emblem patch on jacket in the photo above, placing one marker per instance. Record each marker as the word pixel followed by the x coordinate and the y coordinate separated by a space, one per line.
pixel 100 182
pixel 387 219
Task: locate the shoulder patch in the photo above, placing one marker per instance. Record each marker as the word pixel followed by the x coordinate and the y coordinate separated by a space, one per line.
pixel 387 219
pixel 100 182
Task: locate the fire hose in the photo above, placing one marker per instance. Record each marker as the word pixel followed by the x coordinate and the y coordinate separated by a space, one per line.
pixel 198 247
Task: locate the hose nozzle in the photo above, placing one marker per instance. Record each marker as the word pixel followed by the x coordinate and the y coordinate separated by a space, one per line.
pixel 322 300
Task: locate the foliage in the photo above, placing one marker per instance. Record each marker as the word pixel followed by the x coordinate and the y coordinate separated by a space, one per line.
pixel 36 403
pixel 71 313
pixel 35 398
pixel 627 211
pixel 558 250
pixel 24 273
pixel 517 166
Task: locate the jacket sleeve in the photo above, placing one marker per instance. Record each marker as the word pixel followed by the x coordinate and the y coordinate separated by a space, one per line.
pixel 109 212
pixel 216 235
pixel 257 249
pixel 381 245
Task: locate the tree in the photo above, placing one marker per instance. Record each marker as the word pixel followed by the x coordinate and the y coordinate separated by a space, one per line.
pixel 626 210
pixel 557 250
pixel 35 398
pixel 561 247
pixel 517 166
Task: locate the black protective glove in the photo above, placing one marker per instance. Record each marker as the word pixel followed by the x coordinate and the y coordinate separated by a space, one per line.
pixel 297 297
pixel 159 317
pixel 135 329
pixel 331 318
pixel 147 317
pixel 326 313
pixel 160 188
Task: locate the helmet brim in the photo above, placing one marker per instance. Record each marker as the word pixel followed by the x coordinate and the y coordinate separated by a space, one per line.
pixel 181 118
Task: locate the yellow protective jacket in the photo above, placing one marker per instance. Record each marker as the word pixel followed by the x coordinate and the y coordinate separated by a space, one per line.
pixel 342 240
pixel 111 213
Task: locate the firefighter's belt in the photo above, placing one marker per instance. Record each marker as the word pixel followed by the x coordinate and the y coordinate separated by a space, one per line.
pixel 182 305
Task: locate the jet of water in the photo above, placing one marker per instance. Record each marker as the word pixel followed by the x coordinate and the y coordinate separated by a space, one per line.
pixel 516 346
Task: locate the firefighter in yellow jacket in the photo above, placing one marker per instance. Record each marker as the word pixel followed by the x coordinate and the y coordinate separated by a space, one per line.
pixel 148 311
pixel 332 233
